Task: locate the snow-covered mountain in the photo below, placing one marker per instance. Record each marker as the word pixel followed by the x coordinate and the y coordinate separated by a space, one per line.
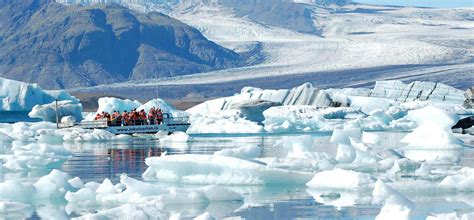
pixel 346 44
pixel 290 14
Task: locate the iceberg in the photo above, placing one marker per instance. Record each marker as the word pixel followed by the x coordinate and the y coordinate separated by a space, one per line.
pixel 34 156
pixel 331 179
pixel 110 104
pixel 435 92
pixel 46 190
pixel 18 98
pixel 451 216
pixel 245 152
pixel 433 114
pixel 46 132
pixel 462 180
pixel 227 121
pixel 110 199
pixel 220 170
pixel 15 210
pixel 396 206
pixel 47 112
pixel 301 155
pixel 305 108
pixel 432 136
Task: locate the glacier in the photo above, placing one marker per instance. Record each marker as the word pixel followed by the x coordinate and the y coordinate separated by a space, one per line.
pixel 359 42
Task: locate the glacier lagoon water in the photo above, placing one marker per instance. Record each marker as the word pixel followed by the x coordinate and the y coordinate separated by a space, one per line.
pixel 96 161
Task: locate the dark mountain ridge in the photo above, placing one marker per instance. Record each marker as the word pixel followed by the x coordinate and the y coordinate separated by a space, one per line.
pixel 60 46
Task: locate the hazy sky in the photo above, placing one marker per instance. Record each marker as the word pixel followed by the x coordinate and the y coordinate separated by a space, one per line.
pixel 423 3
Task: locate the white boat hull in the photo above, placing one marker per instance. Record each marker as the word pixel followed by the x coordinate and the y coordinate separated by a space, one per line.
pixel 147 128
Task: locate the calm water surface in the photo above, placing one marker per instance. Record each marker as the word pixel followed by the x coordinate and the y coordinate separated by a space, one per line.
pixel 96 161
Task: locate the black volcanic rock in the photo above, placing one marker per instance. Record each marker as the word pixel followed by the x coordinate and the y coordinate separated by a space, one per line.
pixel 61 46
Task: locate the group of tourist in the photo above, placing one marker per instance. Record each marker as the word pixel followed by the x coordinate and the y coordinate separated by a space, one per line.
pixel 134 117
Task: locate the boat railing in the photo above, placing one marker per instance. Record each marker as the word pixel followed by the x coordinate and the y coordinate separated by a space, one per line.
pixel 93 124
pixel 176 120
pixel 104 123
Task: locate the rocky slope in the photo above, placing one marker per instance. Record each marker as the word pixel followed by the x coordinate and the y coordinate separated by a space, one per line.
pixel 60 46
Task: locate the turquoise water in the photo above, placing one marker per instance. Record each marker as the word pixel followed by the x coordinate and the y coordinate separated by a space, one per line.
pixel 96 161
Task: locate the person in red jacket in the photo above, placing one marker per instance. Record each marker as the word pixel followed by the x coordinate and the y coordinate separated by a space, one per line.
pixel 159 116
pixel 151 115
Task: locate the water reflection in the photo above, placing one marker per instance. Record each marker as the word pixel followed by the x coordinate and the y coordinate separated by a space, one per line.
pixel 96 161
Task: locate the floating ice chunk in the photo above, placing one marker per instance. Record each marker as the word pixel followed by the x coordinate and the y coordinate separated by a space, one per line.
pixel 433 155
pixel 134 186
pixel 228 121
pixel 34 156
pixel 5 138
pixel 127 211
pixel 165 106
pixel 305 118
pixel 381 117
pixel 92 185
pixel 217 193
pixel 17 191
pixel 176 196
pixel 204 216
pixel 253 109
pixel 394 209
pixel 369 104
pixel 345 153
pixel 245 152
pixel 462 180
pixel 365 156
pixel 84 135
pixel 19 96
pixel 342 136
pixel 433 114
pixel 336 199
pixel 221 170
pixel 341 179
pixel 382 192
pixel 451 216
pixel 298 146
pixel 110 104
pixel 396 206
pixel 76 182
pixel 430 135
pixel 371 138
pixel 47 112
pixel 52 186
pixel 315 161
pixel 15 210
pixel 178 136
pixel 106 187
pixel 176 216
pixel 84 197
pixel 51 211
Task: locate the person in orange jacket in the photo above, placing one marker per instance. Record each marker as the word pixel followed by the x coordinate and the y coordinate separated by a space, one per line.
pixel 159 116
pixel 151 115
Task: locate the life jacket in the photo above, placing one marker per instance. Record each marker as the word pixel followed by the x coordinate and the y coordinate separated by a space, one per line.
pixel 159 114
pixel 143 115
pixel 151 113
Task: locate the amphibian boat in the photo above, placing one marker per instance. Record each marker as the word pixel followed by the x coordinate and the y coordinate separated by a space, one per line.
pixel 169 124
